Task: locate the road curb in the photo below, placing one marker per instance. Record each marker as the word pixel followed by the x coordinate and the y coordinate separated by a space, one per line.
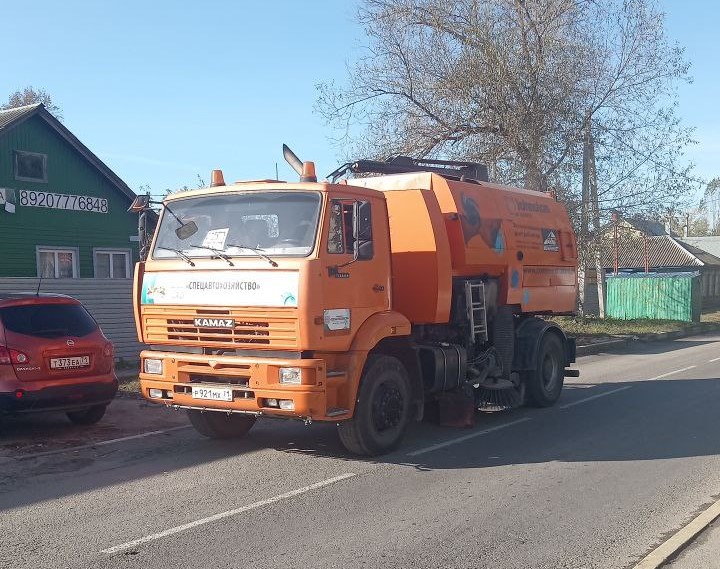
pixel 671 547
pixel 599 347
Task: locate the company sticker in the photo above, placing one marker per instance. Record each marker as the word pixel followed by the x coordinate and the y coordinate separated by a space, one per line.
pixel 550 240
pixel 337 319
pixel 222 288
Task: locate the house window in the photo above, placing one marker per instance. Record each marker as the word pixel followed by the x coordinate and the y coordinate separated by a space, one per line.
pixel 30 166
pixel 112 263
pixel 57 262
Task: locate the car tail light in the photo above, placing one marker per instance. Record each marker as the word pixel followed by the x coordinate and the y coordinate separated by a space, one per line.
pixel 108 350
pixel 8 357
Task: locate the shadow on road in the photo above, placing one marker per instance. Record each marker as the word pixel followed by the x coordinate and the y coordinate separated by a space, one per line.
pixel 650 420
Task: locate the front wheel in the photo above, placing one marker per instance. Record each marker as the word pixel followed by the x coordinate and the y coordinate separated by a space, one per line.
pixel 219 425
pixel 546 382
pixel 382 409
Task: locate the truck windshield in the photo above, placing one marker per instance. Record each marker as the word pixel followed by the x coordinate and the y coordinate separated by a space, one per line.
pixel 276 223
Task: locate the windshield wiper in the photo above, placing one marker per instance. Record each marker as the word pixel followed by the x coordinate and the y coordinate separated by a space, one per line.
pixel 219 253
pixel 257 251
pixel 179 253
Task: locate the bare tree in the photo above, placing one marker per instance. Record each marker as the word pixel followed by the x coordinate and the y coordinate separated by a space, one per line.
pixel 30 96
pixel 520 85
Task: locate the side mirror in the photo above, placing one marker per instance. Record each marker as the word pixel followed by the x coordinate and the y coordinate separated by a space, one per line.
pixel 362 231
pixel 186 230
pixel 140 203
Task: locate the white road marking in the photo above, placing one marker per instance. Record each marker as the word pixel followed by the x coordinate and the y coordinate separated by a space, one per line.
pixel 671 373
pixel 102 443
pixel 664 551
pixel 713 360
pixel 568 405
pixel 227 514
pixel 467 437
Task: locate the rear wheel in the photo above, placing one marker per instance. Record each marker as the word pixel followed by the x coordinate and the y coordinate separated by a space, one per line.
pixel 546 383
pixel 382 409
pixel 219 425
pixel 87 416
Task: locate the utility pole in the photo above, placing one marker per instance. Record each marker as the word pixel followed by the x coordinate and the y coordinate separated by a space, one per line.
pixel 591 211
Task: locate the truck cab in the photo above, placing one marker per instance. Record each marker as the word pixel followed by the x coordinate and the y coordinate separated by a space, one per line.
pixel 259 310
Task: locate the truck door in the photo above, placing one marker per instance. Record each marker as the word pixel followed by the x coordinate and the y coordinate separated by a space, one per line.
pixel 356 280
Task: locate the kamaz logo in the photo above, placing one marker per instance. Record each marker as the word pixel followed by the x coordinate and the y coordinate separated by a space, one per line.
pixel 214 322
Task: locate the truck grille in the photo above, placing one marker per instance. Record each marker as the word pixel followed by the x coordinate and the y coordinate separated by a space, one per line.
pixel 271 329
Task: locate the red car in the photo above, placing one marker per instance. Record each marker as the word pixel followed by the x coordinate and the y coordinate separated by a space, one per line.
pixel 53 357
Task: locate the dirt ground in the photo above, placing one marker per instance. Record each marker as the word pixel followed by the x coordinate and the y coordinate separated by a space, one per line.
pixel 23 435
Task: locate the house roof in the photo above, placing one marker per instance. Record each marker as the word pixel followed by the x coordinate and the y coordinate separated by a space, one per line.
pixel 11 118
pixel 649 226
pixel 663 252
pixel 708 244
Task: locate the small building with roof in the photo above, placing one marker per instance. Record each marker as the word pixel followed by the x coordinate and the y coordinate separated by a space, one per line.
pixel 667 254
pixel 64 224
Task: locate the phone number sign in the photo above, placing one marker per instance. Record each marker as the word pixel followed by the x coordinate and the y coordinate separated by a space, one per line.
pixel 63 201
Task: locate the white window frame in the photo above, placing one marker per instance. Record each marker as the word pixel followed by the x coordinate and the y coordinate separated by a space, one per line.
pixel 42 180
pixel 110 251
pixel 55 249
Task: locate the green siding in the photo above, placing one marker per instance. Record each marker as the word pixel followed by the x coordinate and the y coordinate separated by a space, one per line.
pixel 661 297
pixel 68 172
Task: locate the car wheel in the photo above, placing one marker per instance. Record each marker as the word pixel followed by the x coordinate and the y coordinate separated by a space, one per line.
pixel 218 425
pixel 87 416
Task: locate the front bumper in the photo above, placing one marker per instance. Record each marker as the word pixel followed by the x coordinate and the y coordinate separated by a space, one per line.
pixel 253 381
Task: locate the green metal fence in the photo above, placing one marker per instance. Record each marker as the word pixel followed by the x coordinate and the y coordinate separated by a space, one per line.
pixel 661 296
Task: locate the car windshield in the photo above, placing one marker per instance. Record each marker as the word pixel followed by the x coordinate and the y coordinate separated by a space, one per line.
pixel 277 223
pixel 48 320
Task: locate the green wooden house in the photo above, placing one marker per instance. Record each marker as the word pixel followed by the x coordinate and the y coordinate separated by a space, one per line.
pixel 63 212
pixel 64 224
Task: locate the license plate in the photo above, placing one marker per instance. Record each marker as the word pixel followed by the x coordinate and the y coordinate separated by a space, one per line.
pixel 69 363
pixel 212 393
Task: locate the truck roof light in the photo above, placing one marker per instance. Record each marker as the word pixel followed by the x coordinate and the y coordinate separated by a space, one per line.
pixel 308 172
pixel 216 178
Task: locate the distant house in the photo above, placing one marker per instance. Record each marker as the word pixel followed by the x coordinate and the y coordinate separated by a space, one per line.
pixel 64 221
pixel 668 254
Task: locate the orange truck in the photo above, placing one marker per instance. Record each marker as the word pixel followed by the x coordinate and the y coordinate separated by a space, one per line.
pixel 364 302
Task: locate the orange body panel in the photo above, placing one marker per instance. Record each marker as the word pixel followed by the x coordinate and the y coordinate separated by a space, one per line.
pixel 491 230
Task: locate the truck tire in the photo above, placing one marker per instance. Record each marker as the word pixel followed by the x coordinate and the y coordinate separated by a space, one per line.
pixel 87 416
pixel 382 409
pixel 545 384
pixel 218 425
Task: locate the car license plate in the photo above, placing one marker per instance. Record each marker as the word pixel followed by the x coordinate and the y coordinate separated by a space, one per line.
pixel 69 363
pixel 212 393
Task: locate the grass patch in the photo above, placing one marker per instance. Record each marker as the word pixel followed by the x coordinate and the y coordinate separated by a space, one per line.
pixel 610 327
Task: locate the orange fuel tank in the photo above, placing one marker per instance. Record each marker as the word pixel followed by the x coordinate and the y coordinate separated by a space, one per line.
pixel 442 229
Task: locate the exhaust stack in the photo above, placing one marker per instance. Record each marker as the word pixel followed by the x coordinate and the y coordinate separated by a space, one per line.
pixel 306 170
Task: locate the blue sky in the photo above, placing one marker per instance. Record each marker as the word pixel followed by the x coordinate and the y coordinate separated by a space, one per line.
pixel 163 91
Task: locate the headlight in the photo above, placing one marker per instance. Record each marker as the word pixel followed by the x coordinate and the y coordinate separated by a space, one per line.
pixel 291 375
pixel 153 366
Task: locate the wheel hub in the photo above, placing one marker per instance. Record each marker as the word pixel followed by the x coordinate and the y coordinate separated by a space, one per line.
pixel 387 407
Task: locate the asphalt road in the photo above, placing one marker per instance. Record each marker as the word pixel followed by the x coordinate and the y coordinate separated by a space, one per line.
pixel 629 454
